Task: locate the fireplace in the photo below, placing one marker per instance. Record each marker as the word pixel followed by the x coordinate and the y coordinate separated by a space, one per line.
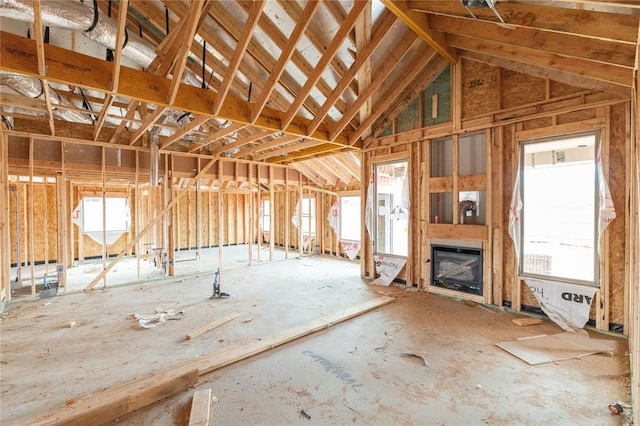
pixel 457 268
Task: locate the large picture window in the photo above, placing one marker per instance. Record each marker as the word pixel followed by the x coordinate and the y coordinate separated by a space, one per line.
pixel 117 214
pixel 391 208
pixel 350 218
pixel 560 214
pixel 309 216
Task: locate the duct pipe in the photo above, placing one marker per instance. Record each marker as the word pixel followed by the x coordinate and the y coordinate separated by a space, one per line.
pixel 18 266
pixel 154 158
pixel 31 87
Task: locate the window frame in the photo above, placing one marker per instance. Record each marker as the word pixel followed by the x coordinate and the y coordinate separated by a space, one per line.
pixel 376 243
pixel 596 213
pixel 341 217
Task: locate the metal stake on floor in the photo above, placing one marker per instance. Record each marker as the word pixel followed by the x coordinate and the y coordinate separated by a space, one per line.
pixel 217 294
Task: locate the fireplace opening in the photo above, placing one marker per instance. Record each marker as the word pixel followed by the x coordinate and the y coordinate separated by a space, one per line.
pixel 457 268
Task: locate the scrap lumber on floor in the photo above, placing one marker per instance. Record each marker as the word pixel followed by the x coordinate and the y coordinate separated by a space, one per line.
pixel 212 325
pixel 200 408
pixel 526 321
pixel 108 404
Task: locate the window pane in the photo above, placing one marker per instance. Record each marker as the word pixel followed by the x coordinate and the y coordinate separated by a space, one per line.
pixel 392 224
pixel 350 219
pixel 266 215
pixel 308 215
pixel 117 214
pixel 559 212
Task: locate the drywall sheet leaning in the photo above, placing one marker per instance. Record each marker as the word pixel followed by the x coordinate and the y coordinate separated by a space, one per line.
pixel 545 348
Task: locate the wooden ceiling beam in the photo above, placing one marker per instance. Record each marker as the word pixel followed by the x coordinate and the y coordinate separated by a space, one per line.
pixel 285 56
pixel 597 70
pixel 288 149
pixel 306 153
pixel 327 56
pixel 422 60
pixel 313 174
pixel 185 38
pixel 419 23
pixel 80 70
pixel 182 132
pixel 221 133
pixel 240 142
pixel 606 51
pixel 241 47
pixel 279 141
pixel 363 38
pixel 399 52
pixel 386 23
pixel 117 51
pixel 580 22
pixel 41 64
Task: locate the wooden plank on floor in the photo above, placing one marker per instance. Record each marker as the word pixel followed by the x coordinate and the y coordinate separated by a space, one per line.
pixel 108 404
pixel 206 364
pixel 200 408
pixel 212 325
pixel 113 402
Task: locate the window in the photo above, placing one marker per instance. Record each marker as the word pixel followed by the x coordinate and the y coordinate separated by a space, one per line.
pixel 391 208
pixel 559 214
pixel 117 214
pixel 308 215
pixel 350 218
pixel 265 217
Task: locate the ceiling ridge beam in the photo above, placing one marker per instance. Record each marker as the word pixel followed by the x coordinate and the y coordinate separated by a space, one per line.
pixel 328 54
pixel 285 56
pixel 419 23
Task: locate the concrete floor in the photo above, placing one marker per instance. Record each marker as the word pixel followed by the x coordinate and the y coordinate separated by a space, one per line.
pixel 45 362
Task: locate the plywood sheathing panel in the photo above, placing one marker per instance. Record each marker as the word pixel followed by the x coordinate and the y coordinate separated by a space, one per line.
pixel 537 123
pixel 520 89
pixel 573 117
pixel 560 89
pixel 183 224
pixel 616 229
pixel 39 212
pixel 479 88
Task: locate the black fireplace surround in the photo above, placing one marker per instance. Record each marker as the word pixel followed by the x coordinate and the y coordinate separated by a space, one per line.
pixel 457 268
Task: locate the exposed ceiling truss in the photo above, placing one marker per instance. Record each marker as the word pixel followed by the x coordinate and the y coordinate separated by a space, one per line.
pixel 282 81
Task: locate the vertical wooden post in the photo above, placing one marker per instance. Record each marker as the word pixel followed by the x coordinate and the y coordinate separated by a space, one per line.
pixel 137 214
pixel 104 218
pixel 602 294
pixel 46 225
pixel 426 214
pixel 366 265
pixel 31 239
pixel 487 263
pixel 198 218
pixel 70 227
pixel 456 171
pixel 61 242
pixel 300 204
pixel 260 216
pixel 251 214
pixel 497 211
pixel 271 214
pixel 209 217
pixel 188 221
pixel 516 293
pixel 221 220
pixel 170 243
pixel 287 215
pixel 5 239
pixel 24 199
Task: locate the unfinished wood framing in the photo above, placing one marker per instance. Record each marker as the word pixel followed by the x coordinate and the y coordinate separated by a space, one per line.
pixel 252 101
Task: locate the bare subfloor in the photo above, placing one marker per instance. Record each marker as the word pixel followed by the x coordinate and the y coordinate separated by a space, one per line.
pixel 60 348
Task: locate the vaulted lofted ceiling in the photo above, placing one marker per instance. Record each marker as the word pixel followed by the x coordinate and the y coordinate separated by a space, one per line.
pixel 281 81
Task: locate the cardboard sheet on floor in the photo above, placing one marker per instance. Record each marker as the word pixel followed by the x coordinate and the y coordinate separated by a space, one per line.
pixel 545 348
